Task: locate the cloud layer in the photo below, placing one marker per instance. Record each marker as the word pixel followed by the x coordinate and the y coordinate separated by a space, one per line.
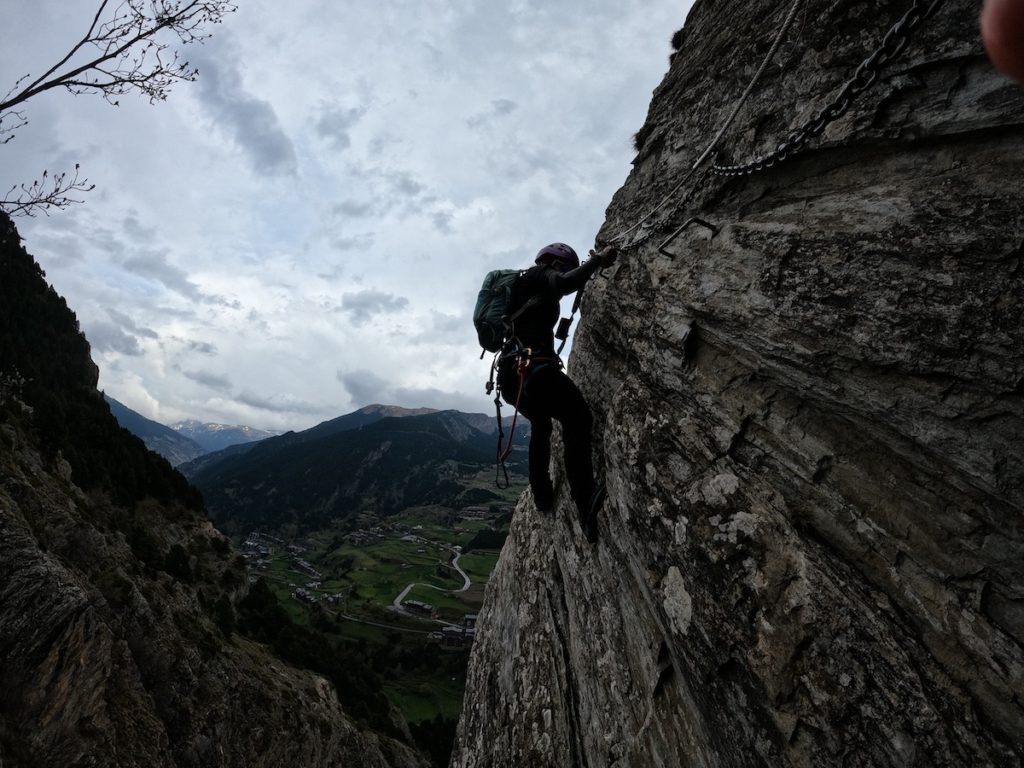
pixel 304 229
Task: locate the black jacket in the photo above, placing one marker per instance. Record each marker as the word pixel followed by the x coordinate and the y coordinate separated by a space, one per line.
pixel 535 328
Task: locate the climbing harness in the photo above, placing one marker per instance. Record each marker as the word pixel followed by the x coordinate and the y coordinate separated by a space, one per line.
pixel 524 360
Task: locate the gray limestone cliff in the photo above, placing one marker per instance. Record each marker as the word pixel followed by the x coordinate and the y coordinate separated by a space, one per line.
pixel 811 422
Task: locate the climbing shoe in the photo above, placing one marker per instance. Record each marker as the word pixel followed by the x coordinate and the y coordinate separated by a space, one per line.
pixel 588 517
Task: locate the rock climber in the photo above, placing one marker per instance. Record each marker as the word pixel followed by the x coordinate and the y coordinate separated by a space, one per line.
pixel 530 377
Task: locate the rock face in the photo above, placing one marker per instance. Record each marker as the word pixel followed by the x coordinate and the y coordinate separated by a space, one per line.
pixel 811 422
pixel 109 663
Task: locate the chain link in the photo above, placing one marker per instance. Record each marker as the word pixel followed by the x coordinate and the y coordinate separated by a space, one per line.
pixel 866 75
pixel 653 230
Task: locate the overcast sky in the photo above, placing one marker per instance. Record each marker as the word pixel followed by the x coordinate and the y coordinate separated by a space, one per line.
pixel 303 230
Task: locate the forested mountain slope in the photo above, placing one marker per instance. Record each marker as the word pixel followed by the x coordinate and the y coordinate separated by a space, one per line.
pixel 361 461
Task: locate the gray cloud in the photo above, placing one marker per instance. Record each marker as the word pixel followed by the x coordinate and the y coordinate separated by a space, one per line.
pixel 363 305
pixel 211 380
pixel 382 143
pixel 446 329
pixel 121 334
pixel 499 108
pixel 354 243
pixel 137 231
pixel 251 122
pixel 284 403
pixel 110 337
pixel 443 222
pixel 334 125
pixel 449 325
pixel 351 209
pixel 404 184
pixel 154 265
pixel 256 322
pixel 364 387
pixel 522 162
pixel 390 189
pixel 202 347
pixel 60 251
pixel 129 324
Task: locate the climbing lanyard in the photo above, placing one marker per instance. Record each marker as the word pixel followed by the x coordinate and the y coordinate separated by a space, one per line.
pixel 524 359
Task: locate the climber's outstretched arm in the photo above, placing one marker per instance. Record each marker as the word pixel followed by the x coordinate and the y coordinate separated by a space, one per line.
pixel 572 281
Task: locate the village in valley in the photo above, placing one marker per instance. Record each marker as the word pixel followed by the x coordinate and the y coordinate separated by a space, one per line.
pixel 422 572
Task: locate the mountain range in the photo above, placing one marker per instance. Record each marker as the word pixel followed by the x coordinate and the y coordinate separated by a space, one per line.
pixel 185 440
pixel 172 445
pixel 379 458
pixel 215 437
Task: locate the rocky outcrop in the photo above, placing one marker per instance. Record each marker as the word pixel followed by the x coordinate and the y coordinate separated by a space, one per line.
pixel 109 662
pixel 811 420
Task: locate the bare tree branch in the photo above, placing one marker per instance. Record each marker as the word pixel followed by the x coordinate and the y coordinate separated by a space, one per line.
pixel 15 120
pixel 129 52
pixel 45 193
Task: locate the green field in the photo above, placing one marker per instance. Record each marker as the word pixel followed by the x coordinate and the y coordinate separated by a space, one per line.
pixel 421 678
pixel 478 565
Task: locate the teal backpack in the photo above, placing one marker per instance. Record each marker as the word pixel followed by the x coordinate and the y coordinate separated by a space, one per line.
pixel 490 317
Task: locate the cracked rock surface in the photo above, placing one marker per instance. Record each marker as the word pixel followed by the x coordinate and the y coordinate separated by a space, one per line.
pixel 104 664
pixel 811 422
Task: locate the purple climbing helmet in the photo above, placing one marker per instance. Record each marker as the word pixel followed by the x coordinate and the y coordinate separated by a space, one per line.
pixel 558 254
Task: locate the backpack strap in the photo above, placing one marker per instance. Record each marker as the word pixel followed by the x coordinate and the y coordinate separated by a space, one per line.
pixel 515 315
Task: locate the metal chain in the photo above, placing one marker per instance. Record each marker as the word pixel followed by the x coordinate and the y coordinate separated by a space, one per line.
pixel 866 75
pixel 697 186
pixel 779 35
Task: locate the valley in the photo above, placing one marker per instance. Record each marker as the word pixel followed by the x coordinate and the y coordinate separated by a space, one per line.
pixel 395 589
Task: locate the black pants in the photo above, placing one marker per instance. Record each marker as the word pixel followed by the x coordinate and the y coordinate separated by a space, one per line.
pixel 549 394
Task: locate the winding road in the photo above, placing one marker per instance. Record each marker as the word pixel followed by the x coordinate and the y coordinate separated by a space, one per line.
pixel 396 604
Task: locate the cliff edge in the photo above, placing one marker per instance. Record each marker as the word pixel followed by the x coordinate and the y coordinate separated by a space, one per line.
pixel 810 417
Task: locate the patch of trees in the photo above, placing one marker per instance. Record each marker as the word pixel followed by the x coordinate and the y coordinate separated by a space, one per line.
pixel 261 617
pixel 488 538
pixel 435 738
pixel 477 496
pixel 45 364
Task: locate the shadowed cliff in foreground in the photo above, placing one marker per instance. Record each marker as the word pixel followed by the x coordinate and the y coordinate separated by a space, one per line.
pixel 810 420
